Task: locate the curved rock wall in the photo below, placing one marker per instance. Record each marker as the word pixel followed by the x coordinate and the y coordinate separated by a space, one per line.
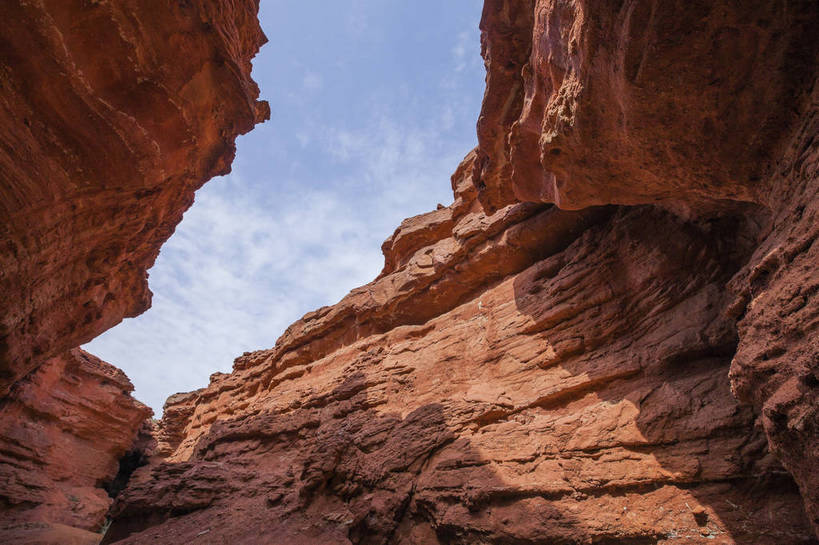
pixel 111 115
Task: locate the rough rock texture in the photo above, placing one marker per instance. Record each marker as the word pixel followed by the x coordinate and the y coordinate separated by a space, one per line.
pixel 695 105
pixel 638 364
pixel 524 374
pixel 533 376
pixel 111 115
pixel 63 431
pixel 597 102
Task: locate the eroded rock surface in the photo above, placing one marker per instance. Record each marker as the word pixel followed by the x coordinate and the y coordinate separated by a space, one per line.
pixel 571 386
pixel 63 431
pixel 633 102
pixel 636 365
pixel 693 105
pixel 111 115
pixel 524 374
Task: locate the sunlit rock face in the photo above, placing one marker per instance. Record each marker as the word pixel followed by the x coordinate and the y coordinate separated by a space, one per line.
pixel 63 431
pixel 530 376
pixel 111 115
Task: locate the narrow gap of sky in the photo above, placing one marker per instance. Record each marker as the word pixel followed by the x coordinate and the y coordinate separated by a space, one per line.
pixel 373 106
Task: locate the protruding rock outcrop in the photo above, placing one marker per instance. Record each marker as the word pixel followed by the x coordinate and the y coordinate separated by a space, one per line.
pixel 63 431
pixel 591 103
pixel 570 386
pixel 111 115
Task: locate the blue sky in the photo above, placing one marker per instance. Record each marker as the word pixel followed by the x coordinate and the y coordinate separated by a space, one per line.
pixel 373 105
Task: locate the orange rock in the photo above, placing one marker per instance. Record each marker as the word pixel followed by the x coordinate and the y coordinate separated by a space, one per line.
pixel 111 116
pixel 519 372
pixel 63 430
pixel 577 392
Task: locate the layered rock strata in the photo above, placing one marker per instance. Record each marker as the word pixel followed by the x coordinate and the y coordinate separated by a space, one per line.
pixel 637 364
pixel 692 105
pixel 524 374
pixel 111 115
pixel 63 431
pixel 555 377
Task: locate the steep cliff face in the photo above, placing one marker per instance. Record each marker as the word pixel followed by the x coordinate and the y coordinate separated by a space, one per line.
pixel 111 115
pixel 520 373
pixel 63 431
pixel 696 106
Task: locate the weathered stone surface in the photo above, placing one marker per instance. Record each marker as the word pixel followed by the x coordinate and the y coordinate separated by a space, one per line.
pixel 518 373
pixel 63 430
pixel 776 366
pixel 692 105
pixel 576 393
pixel 632 102
pixel 111 115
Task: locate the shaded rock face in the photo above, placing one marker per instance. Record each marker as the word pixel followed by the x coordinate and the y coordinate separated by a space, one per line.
pixel 63 431
pixel 638 101
pixel 111 115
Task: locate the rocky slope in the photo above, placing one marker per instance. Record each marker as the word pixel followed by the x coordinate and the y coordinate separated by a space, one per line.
pixel 111 115
pixel 533 376
pixel 63 432
pixel 524 374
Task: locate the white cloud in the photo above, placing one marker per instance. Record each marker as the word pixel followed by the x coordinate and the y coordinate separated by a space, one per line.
pixel 312 81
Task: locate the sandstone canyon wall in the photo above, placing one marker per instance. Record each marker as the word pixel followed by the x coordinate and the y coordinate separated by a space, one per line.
pixel 523 374
pixel 111 115
pixel 609 337
pixel 63 433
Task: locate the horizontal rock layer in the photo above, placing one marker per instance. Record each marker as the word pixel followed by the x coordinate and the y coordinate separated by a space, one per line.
pixel 571 386
pixel 524 374
pixel 111 115
pixel 692 105
pixel 63 431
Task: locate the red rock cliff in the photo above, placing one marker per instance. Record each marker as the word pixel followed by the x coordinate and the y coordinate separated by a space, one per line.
pixel 524 374
pixel 641 371
pixel 63 431
pixel 111 115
